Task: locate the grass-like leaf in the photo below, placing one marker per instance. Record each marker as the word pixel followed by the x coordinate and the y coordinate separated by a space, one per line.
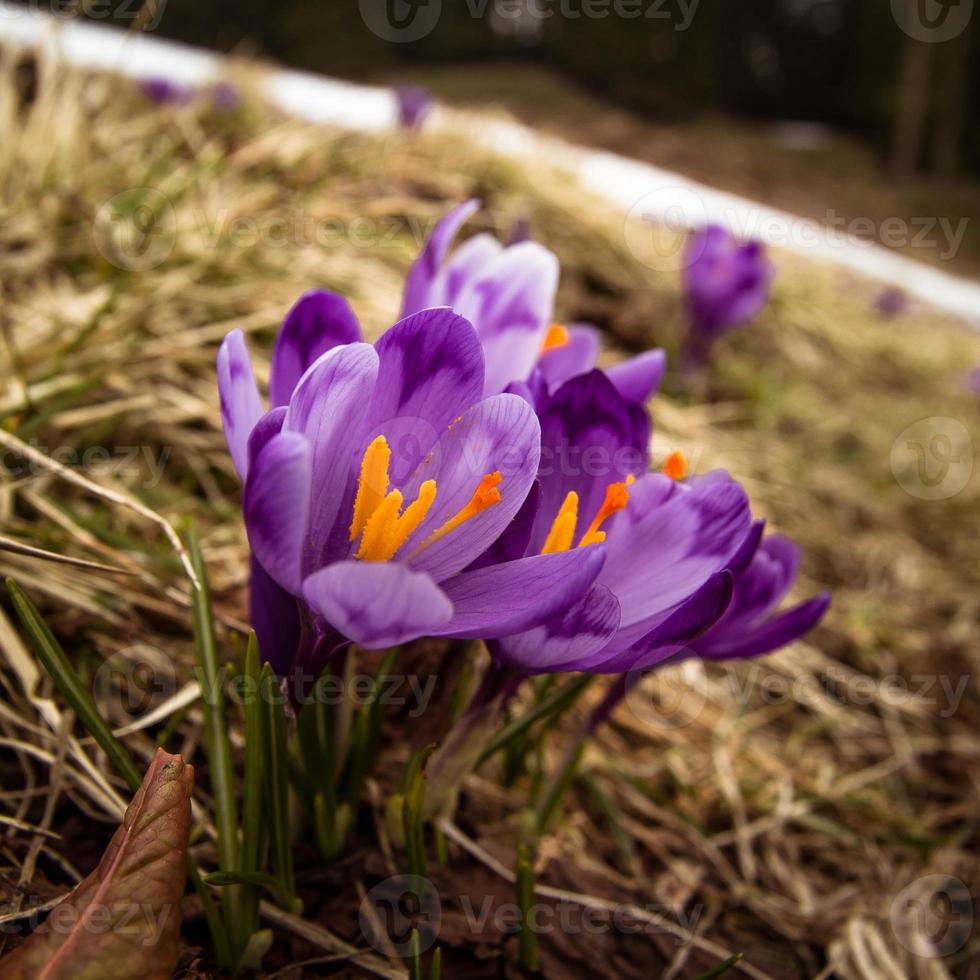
pixel 123 921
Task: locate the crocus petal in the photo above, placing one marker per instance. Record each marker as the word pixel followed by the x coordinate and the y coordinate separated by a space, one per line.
pixel 377 604
pixel 430 373
pixel 670 632
pixel 468 263
pixel 771 635
pixel 268 426
pixel 576 357
pixel 329 408
pixel 498 435
pixel 747 549
pixel 563 642
pixel 659 555
pixel 638 378
pixel 318 321
pixel 425 268
pixel 511 308
pixel 519 595
pixel 276 505
pixel 241 405
pixel 274 615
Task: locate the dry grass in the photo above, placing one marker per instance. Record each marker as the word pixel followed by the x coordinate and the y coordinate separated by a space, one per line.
pixel 786 803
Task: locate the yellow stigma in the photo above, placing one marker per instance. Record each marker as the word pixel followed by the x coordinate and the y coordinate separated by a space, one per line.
pixel 676 465
pixel 557 336
pixel 372 484
pixel 617 497
pixel 563 528
pixel 485 495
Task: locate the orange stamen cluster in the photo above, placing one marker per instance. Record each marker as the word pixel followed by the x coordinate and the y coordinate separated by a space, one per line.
pixel 676 465
pixel 381 523
pixel 562 532
pixel 557 336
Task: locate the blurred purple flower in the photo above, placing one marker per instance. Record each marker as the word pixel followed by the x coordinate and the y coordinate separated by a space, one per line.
pixel 891 301
pixel 339 554
pixel 726 284
pixel 165 91
pixel 973 380
pixel 413 104
pixel 225 96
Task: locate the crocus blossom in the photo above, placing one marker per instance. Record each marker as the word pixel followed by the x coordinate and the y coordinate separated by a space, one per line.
pixel 165 91
pixel 726 283
pixel 413 103
pixel 378 477
pixel 668 544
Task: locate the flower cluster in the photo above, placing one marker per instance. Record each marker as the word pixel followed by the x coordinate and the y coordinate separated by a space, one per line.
pixel 473 474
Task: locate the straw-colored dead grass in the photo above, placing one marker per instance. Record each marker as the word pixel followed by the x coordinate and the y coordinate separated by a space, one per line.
pixel 780 805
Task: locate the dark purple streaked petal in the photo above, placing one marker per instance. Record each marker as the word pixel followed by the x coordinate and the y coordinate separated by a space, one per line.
pixel 274 615
pixel 241 405
pixel 771 635
pixel 377 604
pixel 498 434
pixel 426 267
pixel 430 373
pixel 578 356
pixel 586 444
pixel 638 378
pixel 468 264
pixel 747 549
pixel 318 321
pixel 268 426
pixel 276 505
pixel 329 408
pixel 561 643
pixel 519 595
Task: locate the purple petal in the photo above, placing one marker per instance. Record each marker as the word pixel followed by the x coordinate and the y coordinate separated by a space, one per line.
pixel 747 549
pixel 430 373
pixel 519 595
pixel 499 434
pixel 329 408
pixel 318 321
pixel 241 405
pixel 274 614
pixel 662 553
pixel 511 307
pixel 276 505
pixel 578 356
pixel 771 635
pixel 377 604
pixel 638 378
pixel 426 267
pixel 468 264
pixel 268 426
pixel 564 642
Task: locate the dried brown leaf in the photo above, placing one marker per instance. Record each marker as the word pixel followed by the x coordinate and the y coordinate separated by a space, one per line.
pixel 123 921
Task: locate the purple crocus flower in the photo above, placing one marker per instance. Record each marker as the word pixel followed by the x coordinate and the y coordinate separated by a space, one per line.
pixel 973 380
pixel 726 284
pixel 225 96
pixel 764 570
pixel 668 544
pixel 508 294
pixel 377 483
pixel 891 302
pixel 165 91
pixel 413 104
